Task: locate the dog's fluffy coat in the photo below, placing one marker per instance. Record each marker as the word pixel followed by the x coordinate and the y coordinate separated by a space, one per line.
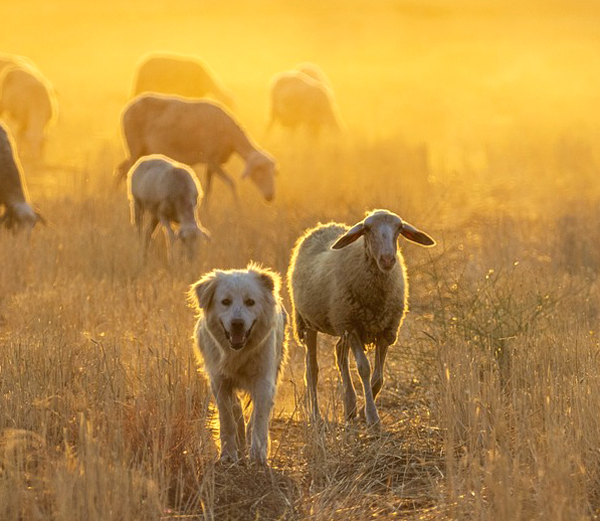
pixel 241 338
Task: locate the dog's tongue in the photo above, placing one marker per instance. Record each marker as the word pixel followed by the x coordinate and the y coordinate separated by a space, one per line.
pixel 238 338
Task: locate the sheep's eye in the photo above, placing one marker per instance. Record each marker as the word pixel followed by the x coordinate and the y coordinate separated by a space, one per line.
pixel 249 302
pixel 226 302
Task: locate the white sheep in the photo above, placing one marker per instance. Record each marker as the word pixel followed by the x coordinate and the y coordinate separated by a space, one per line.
pixel 170 73
pixel 314 71
pixel 303 99
pixel 351 284
pixel 27 100
pixel 192 132
pixel 169 192
pixel 18 213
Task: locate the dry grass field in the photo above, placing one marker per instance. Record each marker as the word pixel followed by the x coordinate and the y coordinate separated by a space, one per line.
pixel 478 122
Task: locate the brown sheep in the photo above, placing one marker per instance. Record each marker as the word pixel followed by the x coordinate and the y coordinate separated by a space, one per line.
pixel 167 73
pixel 192 132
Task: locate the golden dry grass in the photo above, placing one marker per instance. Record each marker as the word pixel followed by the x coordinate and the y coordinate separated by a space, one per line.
pixel 476 123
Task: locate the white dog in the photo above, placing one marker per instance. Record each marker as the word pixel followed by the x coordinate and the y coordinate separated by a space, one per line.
pixel 241 336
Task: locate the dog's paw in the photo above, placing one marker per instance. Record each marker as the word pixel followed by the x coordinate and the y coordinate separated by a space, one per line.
pixel 258 455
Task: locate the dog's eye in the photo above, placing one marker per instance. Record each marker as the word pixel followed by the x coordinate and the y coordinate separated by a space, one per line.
pixel 226 302
pixel 249 302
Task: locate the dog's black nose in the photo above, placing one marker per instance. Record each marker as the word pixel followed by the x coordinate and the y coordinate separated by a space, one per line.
pixel 237 326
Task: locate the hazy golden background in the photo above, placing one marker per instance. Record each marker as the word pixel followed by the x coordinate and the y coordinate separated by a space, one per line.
pixel 477 121
pixel 458 76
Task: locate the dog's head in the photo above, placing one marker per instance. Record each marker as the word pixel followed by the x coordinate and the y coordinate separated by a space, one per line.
pixel 238 305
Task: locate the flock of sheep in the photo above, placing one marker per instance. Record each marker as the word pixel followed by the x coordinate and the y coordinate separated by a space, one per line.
pixel 347 282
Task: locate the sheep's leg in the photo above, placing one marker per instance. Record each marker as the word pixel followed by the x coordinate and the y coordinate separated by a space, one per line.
pixel 312 370
pixel 238 414
pixel 122 169
pixel 137 209
pixel 207 190
pixel 149 231
pixel 228 180
pixel 380 354
pixel 341 354
pixel 225 399
pixel 168 231
pixel 364 370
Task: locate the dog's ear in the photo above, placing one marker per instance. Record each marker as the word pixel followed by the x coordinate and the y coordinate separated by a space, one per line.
pixel 202 291
pixel 268 279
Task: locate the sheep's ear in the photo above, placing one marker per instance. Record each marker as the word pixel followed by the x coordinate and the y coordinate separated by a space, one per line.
pixel 202 291
pixel 349 237
pixel 413 234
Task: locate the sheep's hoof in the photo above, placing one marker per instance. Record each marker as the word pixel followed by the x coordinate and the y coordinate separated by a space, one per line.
pixel 372 418
pixel 228 459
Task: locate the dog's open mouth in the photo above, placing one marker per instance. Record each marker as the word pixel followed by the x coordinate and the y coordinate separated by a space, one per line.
pixel 237 338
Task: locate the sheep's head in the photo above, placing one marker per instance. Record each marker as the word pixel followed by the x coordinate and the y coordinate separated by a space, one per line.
pixel 21 217
pixel 380 230
pixel 190 237
pixel 261 169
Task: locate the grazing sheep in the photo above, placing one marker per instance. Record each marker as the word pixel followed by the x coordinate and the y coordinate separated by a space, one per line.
pixel 169 192
pixel 299 99
pixel 351 283
pixel 187 76
pixel 314 71
pixel 27 99
pixel 193 132
pixel 17 214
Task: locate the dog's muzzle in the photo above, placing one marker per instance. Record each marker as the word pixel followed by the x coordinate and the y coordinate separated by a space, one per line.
pixel 237 335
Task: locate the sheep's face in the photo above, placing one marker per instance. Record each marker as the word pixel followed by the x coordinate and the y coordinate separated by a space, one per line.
pixel 261 169
pixel 190 238
pixel 21 217
pixel 380 230
pixel 381 235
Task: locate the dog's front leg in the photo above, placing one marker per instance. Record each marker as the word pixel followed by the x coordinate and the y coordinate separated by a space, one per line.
pixel 223 393
pixel 263 396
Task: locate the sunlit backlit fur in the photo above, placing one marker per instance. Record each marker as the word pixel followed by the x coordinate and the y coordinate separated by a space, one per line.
pixel 193 132
pixel 169 192
pixel 170 73
pixel 301 99
pixel 27 100
pixel 351 283
pixel 241 338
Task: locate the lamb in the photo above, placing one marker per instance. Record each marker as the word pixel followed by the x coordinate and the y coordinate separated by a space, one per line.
pixel 192 132
pixel 302 99
pixel 18 213
pixel 169 192
pixel 351 284
pixel 169 73
pixel 27 99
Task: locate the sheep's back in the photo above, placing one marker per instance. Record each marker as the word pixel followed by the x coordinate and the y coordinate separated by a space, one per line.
pixel 186 130
pixel 156 180
pixel 312 275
